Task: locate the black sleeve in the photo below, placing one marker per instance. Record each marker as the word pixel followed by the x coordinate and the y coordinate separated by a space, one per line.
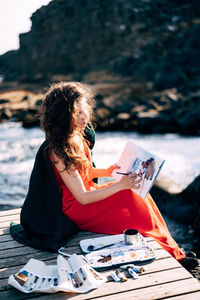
pixel 41 215
pixel 90 135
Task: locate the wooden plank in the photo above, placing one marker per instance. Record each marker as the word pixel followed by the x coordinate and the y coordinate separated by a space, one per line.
pixel 150 286
pixel 10 212
pixel 13 265
pixel 6 224
pixel 161 291
pixel 5 238
pixel 17 295
pixel 4 231
pixel 189 296
pixel 10 245
pixel 17 252
pixel 9 218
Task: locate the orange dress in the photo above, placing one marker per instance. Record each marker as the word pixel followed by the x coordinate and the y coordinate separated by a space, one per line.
pixel 123 210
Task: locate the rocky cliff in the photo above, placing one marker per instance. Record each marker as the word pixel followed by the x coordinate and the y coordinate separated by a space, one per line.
pixel 153 40
pixel 143 56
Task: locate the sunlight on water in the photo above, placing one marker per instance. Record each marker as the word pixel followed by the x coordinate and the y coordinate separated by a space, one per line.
pixel 18 147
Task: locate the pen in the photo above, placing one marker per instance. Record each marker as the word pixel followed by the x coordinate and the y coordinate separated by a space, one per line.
pixel 83 274
pixel 74 280
pixel 78 279
pixel 123 173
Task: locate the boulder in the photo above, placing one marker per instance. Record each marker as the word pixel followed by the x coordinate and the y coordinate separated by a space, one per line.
pixel 182 206
pixel 190 122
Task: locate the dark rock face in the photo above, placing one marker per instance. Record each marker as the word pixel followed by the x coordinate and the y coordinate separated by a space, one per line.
pixel 141 56
pixel 150 40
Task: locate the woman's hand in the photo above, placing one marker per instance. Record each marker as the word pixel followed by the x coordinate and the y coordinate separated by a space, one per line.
pixel 130 181
pixel 111 169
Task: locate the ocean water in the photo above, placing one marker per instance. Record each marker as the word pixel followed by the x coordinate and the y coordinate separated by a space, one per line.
pixel 18 147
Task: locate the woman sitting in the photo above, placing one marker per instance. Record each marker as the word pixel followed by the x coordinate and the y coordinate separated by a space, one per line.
pixel 108 208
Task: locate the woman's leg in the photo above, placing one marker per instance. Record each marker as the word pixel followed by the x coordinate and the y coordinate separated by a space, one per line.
pixel 121 211
pixel 160 231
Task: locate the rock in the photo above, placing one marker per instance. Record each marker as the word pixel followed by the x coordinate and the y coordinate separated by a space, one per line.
pixel 38 102
pixel 192 195
pixel 123 116
pixel 30 118
pixel 2 101
pixel 30 122
pixel 190 122
pixel 102 112
pixel 5 114
pixel 192 192
pixel 181 206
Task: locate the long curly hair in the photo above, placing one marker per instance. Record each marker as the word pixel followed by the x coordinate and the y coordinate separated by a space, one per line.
pixel 57 111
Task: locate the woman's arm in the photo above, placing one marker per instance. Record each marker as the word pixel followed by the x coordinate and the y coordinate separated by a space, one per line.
pixel 96 173
pixel 73 181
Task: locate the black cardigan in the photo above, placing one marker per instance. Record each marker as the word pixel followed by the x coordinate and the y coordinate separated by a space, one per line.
pixel 43 224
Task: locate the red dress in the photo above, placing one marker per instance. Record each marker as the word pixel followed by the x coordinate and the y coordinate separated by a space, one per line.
pixel 123 210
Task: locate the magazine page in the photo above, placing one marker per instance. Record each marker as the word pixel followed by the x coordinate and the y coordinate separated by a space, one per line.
pixel 35 276
pixel 140 161
pixel 76 275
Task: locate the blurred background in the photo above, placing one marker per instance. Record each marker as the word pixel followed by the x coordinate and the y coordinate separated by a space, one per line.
pixel 141 58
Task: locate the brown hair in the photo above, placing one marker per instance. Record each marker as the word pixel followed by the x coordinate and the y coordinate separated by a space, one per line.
pixel 58 110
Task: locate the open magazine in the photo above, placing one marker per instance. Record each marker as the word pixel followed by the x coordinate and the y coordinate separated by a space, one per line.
pixel 140 161
pixel 73 275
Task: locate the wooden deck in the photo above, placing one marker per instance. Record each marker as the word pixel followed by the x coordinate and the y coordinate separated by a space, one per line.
pixel 163 279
